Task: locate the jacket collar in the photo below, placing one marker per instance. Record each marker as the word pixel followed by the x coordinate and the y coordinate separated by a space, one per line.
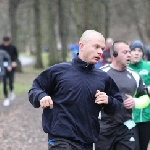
pixel 78 63
pixel 137 65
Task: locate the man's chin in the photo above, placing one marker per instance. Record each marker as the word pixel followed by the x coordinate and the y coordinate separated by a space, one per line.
pixel 128 62
pixel 135 61
pixel 95 62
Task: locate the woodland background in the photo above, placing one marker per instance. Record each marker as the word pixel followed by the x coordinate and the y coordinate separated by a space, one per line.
pixel 35 24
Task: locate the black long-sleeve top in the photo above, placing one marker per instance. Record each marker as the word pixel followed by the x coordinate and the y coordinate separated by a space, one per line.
pixel 11 50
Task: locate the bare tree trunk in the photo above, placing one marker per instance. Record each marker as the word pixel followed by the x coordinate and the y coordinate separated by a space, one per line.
pixel 96 16
pixel 53 51
pixel 147 19
pixel 107 18
pixel 62 28
pixel 37 31
pixel 74 11
pixel 87 14
pixel 29 50
pixel 13 4
pixel 136 19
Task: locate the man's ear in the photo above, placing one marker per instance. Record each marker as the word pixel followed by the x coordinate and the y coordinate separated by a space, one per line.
pixel 81 46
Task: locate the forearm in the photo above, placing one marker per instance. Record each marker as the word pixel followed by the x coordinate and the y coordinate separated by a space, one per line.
pixel 35 96
pixel 114 105
pixel 142 102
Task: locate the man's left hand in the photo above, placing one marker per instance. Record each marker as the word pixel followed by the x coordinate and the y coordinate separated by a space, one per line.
pixel 101 97
pixel 14 64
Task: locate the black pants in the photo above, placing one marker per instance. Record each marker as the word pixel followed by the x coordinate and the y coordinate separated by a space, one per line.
pixel 8 80
pixel 143 129
pixel 1 78
pixel 65 144
pixel 119 138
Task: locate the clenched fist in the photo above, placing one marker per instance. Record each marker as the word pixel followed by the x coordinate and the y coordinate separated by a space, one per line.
pixel 101 97
pixel 129 102
pixel 46 101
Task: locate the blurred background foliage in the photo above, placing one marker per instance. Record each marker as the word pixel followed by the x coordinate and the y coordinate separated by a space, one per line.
pixel 51 25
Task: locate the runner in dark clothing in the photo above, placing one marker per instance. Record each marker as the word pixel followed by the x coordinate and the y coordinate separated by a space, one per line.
pixel 4 55
pixel 66 92
pixel 12 51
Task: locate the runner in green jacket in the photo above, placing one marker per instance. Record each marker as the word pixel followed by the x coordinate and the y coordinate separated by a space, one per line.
pixel 141 116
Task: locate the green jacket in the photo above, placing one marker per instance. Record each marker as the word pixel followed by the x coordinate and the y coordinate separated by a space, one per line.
pixel 143 68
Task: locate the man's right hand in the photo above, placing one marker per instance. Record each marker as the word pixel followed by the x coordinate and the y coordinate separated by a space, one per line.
pixel 129 103
pixel 9 68
pixel 46 101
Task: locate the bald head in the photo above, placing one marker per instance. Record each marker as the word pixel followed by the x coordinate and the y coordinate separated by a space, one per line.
pixel 88 34
pixel 117 45
pixel 109 42
pixel 91 46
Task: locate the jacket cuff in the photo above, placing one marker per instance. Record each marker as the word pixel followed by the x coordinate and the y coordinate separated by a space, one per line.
pixel 41 96
pixel 110 100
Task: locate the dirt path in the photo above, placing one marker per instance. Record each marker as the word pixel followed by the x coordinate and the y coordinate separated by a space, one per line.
pixel 20 126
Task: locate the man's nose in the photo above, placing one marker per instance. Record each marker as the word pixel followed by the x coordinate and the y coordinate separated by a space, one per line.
pixel 129 53
pixel 100 51
pixel 136 53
